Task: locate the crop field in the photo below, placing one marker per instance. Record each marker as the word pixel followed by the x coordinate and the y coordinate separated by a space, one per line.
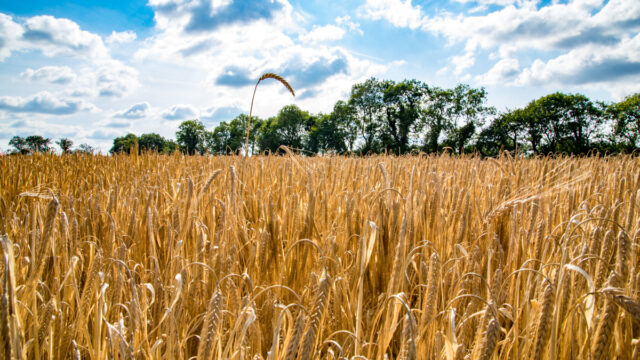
pixel 289 257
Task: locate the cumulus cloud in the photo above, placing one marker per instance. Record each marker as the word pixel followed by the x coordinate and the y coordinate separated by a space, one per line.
pixel 121 37
pixel 463 62
pixel 584 66
pixel 10 33
pixel 299 73
pixel 198 47
pixel 136 111
pixel 235 76
pixel 205 16
pixel 219 114
pixel 400 13
pixel 234 52
pixel 502 72
pixel 55 36
pixel 180 112
pixel 115 79
pixel 43 103
pixel 579 42
pixel 53 74
pixel 305 74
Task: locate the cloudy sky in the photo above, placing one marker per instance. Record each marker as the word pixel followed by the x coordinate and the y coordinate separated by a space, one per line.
pixel 94 72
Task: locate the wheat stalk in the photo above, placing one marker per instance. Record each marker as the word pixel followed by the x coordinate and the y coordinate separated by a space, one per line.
pixel 604 332
pixel 209 327
pixel 264 77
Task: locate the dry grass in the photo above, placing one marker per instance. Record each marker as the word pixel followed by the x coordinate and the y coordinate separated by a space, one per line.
pixel 286 257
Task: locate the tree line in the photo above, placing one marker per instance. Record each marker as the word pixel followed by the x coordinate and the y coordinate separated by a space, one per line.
pixel 37 143
pixel 384 116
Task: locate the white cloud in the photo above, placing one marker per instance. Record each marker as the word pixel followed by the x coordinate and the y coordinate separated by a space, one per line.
pixel 10 32
pixel 55 36
pixel 136 111
pixel 502 72
pixel 346 21
pixel 589 41
pixel 400 13
pixel 463 62
pixel 619 64
pixel 115 79
pixel 52 74
pixel 554 27
pixel 323 33
pixel 43 103
pixel 121 37
pixel 180 112
pixel 235 54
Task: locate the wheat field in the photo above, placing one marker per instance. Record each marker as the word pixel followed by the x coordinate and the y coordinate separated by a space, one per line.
pixel 289 257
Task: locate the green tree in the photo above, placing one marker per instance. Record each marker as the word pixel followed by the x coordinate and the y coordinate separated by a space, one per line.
pixel 217 141
pixel 367 99
pixel 190 136
pixel 289 128
pixel 86 149
pixel 20 145
pixel 37 143
pixel 292 126
pixel 501 134
pixel 626 121
pixel 268 138
pixel 169 146
pixel 123 143
pixel 151 142
pixel 344 115
pixel 327 135
pixel 466 112
pixel 403 110
pixel 65 145
pixel 228 138
pixel 567 122
pixel 436 118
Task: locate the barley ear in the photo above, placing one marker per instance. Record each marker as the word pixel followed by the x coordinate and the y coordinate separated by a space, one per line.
pixel 279 78
pixel 544 321
pixel 307 344
pixel 264 77
pixel 604 332
pixel 294 342
pixel 209 328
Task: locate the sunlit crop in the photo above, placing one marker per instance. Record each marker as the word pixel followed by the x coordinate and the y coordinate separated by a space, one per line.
pixel 287 257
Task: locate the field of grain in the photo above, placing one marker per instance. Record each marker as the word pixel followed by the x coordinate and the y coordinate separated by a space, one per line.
pixel 291 257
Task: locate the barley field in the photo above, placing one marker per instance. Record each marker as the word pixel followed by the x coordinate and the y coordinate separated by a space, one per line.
pixel 289 257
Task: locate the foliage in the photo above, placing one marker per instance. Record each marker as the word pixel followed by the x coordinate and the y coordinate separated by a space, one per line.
pixel 229 138
pixel 145 142
pixel 384 116
pixel 65 145
pixel 626 119
pixel 86 149
pixel 124 144
pixel 19 144
pixel 190 135
pixel 37 143
pixel 289 128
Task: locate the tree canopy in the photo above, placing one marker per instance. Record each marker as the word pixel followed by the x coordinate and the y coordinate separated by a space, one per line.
pixel 384 116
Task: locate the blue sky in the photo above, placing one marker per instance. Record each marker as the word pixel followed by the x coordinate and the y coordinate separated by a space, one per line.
pixel 95 70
